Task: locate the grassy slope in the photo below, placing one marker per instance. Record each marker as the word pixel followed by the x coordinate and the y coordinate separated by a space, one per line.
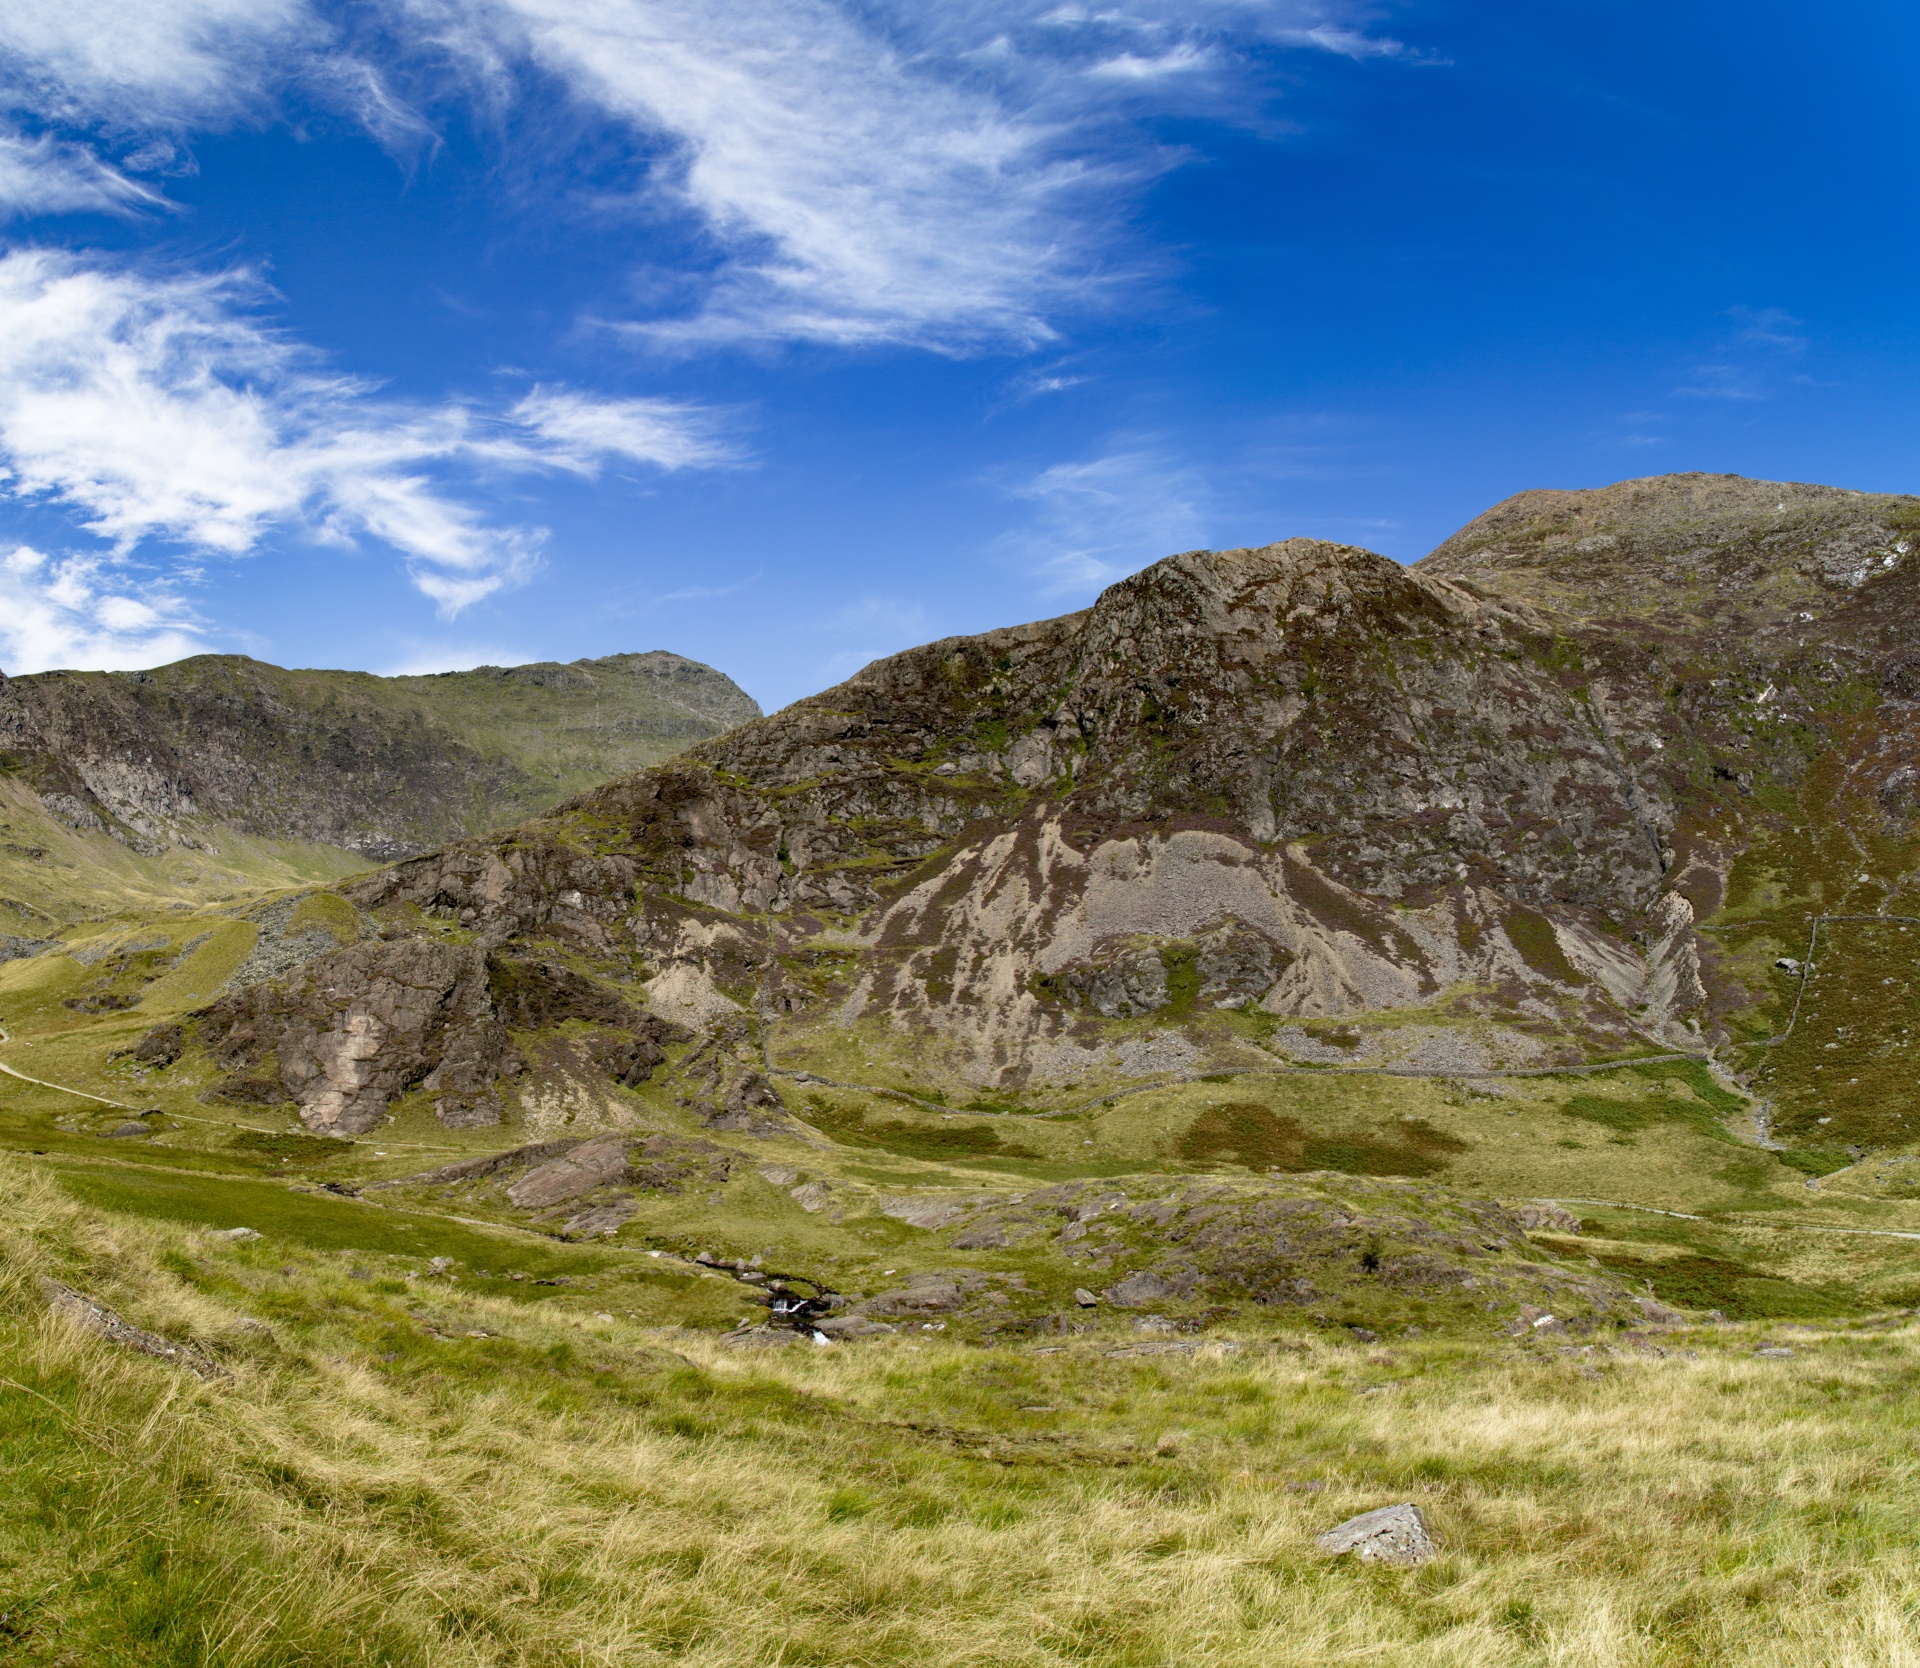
pixel 51 875
pixel 407 1470
pixel 598 1478
pixel 561 729
pixel 570 738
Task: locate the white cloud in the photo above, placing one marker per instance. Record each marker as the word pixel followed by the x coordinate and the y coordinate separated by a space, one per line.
pixel 874 626
pixel 161 408
pixel 132 64
pixel 422 658
pixel 861 171
pixel 949 176
pixel 1182 59
pixel 856 196
pixel 41 176
pixel 1102 518
pixel 83 613
pixel 579 431
pixel 1347 43
pixel 1752 358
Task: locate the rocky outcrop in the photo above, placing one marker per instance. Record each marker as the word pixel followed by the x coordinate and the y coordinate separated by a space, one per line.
pixel 1300 781
pixel 1301 778
pixel 350 1030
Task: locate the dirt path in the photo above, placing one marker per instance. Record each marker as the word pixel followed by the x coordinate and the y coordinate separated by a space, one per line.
pixel 58 1088
pixel 1734 1222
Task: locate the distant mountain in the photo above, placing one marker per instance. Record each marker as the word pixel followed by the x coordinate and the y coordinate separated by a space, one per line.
pixel 1298 802
pixel 192 756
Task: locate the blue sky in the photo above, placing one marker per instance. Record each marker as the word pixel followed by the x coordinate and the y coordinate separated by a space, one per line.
pixel 410 334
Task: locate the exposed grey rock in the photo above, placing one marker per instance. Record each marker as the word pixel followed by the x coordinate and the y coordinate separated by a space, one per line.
pixel 1554 1218
pixel 752 1106
pixel 931 1213
pixel 760 1337
pixel 380 766
pixel 812 1196
pixel 926 1294
pixel 1140 1289
pixel 102 1322
pixel 602 1221
pixel 852 1326
pixel 1390 1535
pixel 595 1163
pixel 1085 1298
pixel 351 1029
pixel 472 1169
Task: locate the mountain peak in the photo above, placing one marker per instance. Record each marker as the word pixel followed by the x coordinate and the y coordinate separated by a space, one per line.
pixel 1696 549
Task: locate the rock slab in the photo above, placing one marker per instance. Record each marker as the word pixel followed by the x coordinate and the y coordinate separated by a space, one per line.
pixel 1390 1535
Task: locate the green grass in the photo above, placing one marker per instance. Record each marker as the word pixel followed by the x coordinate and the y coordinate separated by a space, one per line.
pixel 371 1483
pixel 853 1127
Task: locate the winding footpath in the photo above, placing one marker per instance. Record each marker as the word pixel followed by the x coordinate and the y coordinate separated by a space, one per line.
pixel 58 1088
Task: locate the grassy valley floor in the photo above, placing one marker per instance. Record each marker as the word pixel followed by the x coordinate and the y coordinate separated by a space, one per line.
pixel 394 1467
pixel 433 1429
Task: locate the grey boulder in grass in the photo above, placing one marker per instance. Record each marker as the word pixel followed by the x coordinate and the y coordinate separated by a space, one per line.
pixel 1390 1535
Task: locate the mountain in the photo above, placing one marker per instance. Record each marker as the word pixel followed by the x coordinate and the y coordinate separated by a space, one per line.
pixel 139 783
pixel 1288 939
pixel 1292 804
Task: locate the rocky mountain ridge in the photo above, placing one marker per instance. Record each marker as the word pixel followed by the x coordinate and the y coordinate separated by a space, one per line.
pixel 381 767
pixel 1291 804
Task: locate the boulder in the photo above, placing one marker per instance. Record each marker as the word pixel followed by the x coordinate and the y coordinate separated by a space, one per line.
pixel 812 1196
pixel 596 1163
pixel 930 1213
pixel 752 1106
pixel 851 1326
pixel 601 1220
pixel 1139 1290
pixel 1555 1219
pixel 1390 1535
pixel 102 1322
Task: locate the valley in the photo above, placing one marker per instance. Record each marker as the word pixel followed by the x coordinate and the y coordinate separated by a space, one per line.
pixel 1300 1035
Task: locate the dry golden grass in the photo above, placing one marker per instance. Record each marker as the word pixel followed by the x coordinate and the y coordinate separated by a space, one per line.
pixel 369 1485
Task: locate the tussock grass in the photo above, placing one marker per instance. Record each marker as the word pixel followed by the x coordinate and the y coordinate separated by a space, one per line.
pixel 371 1485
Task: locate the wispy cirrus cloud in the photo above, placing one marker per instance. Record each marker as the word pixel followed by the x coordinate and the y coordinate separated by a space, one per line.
pixel 39 175
pixel 868 628
pixel 945 176
pixel 1751 358
pixel 858 171
pixel 160 407
pixel 138 61
pixel 1098 519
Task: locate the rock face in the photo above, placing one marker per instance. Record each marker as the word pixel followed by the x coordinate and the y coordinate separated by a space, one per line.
pixel 377 766
pixel 1300 779
pixel 1492 796
pixel 356 1027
